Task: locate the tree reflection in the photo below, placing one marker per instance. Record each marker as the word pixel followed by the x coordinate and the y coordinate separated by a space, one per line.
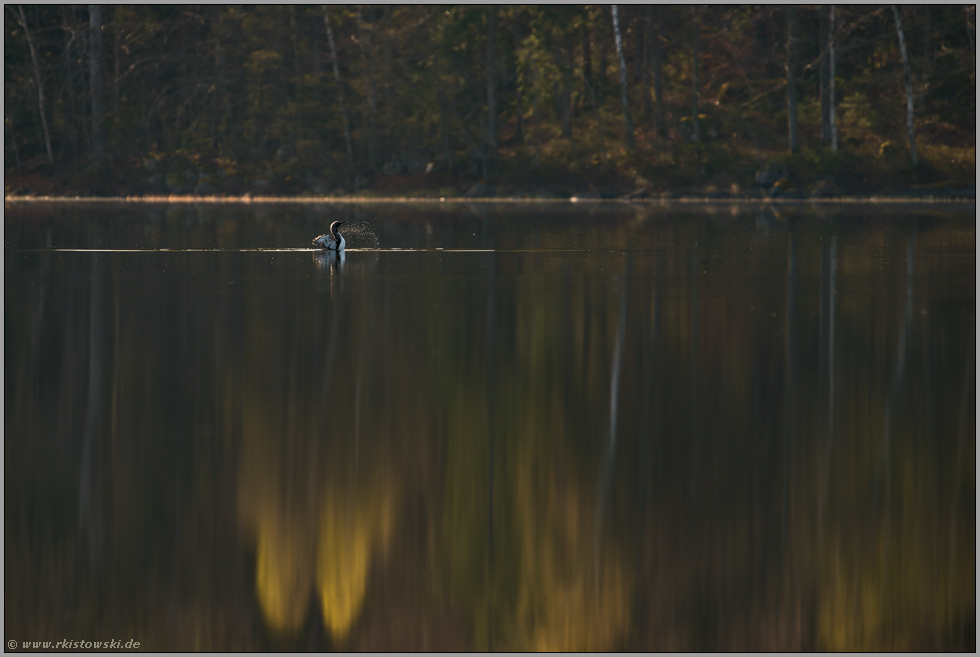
pixel 729 439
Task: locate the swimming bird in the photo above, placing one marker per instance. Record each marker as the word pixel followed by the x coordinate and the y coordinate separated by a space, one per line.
pixel 332 241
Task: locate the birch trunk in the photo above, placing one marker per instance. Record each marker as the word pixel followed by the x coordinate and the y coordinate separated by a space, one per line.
pixel 658 74
pixel 600 77
pixel 794 136
pixel 315 55
pixel 833 74
pixel 697 121
pixel 95 80
pixel 927 39
pixel 447 147
pixel 521 126
pixel 598 122
pixel 391 139
pixel 969 33
pixel 566 85
pixel 491 86
pixel 71 124
pixel 630 137
pixel 117 36
pixel 647 44
pixel 445 113
pixel 586 49
pixel 824 74
pixel 536 114
pixel 13 142
pixel 84 91
pixel 518 92
pixel 340 90
pixel 40 87
pixel 927 50
pixel 294 42
pixel 910 114
pixel 364 45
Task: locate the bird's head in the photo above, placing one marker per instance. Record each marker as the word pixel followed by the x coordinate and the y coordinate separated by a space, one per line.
pixel 335 225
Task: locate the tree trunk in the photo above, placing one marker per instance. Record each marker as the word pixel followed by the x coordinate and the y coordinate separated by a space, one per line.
pixel 598 122
pixel 927 51
pixel 95 80
pixel 294 42
pixel 794 136
pixel 825 73
pixel 658 74
pixel 694 96
pixel 927 38
pixel 647 45
pixel 364 45
pixel 315 55
pixel 909 116
pixel 340 91
pixel 84 91
pixel 568 64
pixel 227 120
pixel 491 85
pixel 521 127
pixel 600 78
pixel 833 75
pixel 586 49
pixel 521 123
pixel 966 23
pixel 13 142
pixel 536 114
pixel 69 82
pixel 630 137
pixel 447 147
pixel 217 78
pixel 117 36
pixel 40 86
pixel 390 144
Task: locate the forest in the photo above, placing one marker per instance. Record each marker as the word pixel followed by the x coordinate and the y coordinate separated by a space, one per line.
pixel 600 101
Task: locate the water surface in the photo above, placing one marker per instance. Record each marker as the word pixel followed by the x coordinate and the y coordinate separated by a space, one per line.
pixel 576 427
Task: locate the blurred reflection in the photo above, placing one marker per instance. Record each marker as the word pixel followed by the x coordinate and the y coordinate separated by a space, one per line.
pixel 329 265
pixel 313 526
pixel 684 433
pixel 329 261
pixel 315 492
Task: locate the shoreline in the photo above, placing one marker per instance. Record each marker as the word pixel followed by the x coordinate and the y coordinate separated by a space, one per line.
pixel 328 200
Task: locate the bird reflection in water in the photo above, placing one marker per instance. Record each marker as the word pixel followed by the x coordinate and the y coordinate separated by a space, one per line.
pixel 329 260
pixel 328 265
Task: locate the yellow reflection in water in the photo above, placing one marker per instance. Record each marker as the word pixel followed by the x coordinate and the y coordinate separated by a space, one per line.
pixel 344 547
pixel 307 532
pixel 283 565
pixel 574 594
pixel 902 579
pixel 558 580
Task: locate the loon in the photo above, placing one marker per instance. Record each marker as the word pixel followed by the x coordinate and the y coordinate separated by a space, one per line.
pixel 332 241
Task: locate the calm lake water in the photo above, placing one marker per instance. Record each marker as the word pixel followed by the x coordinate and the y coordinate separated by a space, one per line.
pixel 505 427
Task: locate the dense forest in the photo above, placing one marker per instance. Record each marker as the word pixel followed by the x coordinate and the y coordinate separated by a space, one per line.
pixel 601 100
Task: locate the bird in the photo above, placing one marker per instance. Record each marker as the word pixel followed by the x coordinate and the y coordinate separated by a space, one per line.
pixel 332 241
